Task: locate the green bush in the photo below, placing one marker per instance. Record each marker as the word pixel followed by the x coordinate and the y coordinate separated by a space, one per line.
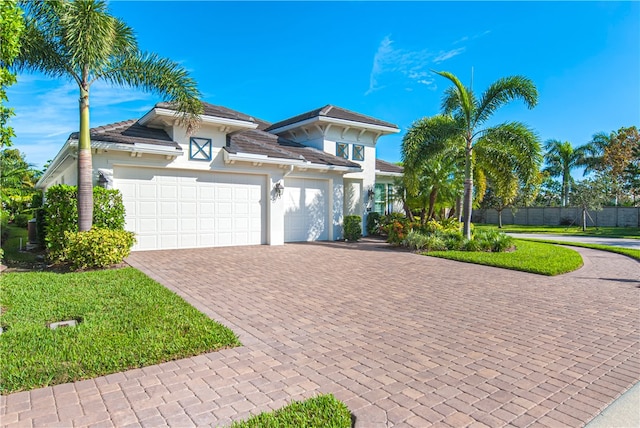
pixel 61 215
pixel 471 245
pixel 21 220
pixel 373 223
pixel 452 239
pixel 352 227
pixel 98 247
pixel 415 240
pixel 37 203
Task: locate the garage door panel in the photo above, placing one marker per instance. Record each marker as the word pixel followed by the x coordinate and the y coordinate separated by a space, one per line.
pixel 306 210
pixel 192 209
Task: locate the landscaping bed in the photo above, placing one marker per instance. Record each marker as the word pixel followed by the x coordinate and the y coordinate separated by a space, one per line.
pixel 126 320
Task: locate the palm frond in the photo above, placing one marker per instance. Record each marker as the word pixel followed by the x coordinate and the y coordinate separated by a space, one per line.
pixel 458 99
pixel 511 148
pixel 161 76
pixel 503 91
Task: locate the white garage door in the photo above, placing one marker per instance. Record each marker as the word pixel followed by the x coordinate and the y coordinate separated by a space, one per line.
pixel 306 212
pixel 186 209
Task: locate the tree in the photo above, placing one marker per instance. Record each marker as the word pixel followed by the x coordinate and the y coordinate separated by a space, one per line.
pixel 509 147
pixel 429 179
pixel 589 194
pixel 81 41
pixel 500 196
pixel 11 27
pixel 618 158
pixel 561 158
pixel 17 183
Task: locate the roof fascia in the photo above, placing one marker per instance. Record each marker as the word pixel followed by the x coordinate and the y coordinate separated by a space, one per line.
pixel 350 123
pixel 214 120
pixel 263 159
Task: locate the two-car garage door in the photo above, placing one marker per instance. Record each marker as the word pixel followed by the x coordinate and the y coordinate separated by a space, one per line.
pixel 187 209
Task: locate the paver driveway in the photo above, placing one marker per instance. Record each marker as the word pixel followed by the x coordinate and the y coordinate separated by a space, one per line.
pixel 402 339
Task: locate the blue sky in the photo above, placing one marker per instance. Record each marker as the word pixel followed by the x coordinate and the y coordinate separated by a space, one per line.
pixel 276 60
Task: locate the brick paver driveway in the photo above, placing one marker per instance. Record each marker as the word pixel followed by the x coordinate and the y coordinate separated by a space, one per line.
pixel 402 339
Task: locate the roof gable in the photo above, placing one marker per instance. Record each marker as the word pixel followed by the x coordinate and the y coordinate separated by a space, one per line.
pixel 334 112
pixel 385 166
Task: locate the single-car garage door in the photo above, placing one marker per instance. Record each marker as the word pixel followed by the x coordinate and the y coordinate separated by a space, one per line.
pixel 170 209
pixel 306 212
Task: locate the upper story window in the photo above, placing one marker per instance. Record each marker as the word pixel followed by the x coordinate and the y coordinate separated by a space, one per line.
pixel 200 148
pixel 358 152
pixel 342 150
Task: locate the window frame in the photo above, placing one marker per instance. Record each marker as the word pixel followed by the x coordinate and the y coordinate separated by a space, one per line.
pixel 358 148
pixel 204 149
pixel 344 153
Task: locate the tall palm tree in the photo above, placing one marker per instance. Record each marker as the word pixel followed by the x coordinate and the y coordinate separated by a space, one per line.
pixel 505 148
pixel 561 158
pixel 79 40
pixel 593 152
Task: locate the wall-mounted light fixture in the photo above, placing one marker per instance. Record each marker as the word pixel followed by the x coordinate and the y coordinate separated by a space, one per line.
pixel 371 193
pixel 278 190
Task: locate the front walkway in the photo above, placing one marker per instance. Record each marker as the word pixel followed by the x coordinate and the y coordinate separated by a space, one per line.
pixel 402 339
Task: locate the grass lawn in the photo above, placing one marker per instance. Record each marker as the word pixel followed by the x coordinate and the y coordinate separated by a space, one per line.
pixel 12 254
pixel 529 256
pixel 323 411
pixel 603 232
pixel 634 254
pixel 127 321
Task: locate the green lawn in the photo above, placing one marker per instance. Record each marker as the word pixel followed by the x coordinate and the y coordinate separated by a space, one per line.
pixel 127 321
pixel 323 411
pixel 603 232
pixel 529 256
pixel 634 254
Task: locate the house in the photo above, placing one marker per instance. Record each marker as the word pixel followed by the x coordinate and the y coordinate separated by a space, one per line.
pixel 237 180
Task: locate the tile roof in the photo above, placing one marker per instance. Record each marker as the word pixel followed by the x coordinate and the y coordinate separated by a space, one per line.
pixel 220 111
pixel 263 143
pixel 385 166
pixel 333 112
pixel 129 132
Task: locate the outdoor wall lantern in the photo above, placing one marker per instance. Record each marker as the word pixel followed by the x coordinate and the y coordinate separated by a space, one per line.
pixel 371 193
pixel 278 190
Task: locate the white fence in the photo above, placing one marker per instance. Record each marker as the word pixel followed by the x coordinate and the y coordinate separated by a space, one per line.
pixel 553 216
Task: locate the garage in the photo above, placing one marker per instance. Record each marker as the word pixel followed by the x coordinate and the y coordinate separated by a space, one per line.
pixel 169 209
pixel 306 210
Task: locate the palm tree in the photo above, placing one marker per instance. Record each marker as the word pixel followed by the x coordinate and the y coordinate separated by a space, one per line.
pixel 506 148
pixel 593 152
pixel 81 41
pixel 561 158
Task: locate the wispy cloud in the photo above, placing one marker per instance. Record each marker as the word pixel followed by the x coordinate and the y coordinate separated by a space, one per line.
pixel 443 56
pixel 394 65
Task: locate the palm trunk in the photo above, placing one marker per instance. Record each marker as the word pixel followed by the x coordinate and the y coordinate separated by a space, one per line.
pixel 433 196
pixel 85 169
pixel 468 190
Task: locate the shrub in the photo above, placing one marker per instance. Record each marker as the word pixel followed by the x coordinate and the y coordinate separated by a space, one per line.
pixel 21 220
pixel 415 240
pixel 434 243
pixel 98 247
pixel 373 223
pixel 352 227
pixel 452 239
pixel 61 215
pixel 470 245
pixel 395 232
pixel 37 203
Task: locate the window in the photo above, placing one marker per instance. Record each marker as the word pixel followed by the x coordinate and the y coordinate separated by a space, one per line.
pixel 342 150
pixel 380 200
pixel 200 149
pixel 358 152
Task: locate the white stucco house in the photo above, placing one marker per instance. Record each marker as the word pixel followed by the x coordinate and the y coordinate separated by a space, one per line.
pixel 237 180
